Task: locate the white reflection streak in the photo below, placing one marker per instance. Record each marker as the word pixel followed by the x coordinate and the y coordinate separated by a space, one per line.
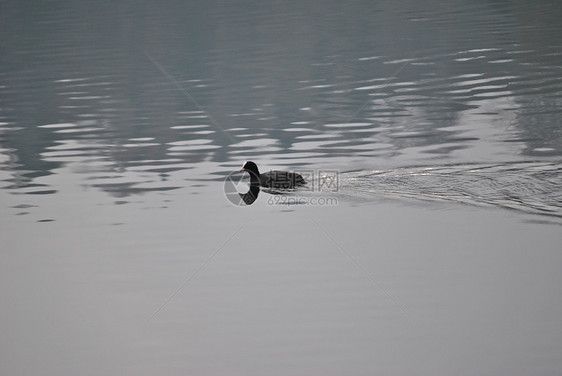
pixel 199 269
pixel 363 270
pixel 396 73
pixel 215 123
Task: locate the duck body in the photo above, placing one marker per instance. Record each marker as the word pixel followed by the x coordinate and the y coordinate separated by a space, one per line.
pixel 281 180
pixel 273 179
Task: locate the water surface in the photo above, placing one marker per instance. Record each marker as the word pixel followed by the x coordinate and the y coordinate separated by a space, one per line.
pixel 436 251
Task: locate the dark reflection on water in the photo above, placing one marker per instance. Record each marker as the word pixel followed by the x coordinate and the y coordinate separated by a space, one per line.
pixel 130 94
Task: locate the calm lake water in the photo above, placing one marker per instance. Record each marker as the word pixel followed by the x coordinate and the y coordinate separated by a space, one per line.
pixel 427 242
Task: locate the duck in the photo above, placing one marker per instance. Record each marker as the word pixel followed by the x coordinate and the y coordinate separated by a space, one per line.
pixel 272 179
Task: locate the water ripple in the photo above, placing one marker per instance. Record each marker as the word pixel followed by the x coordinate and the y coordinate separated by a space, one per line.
pixel 531 187
pixel 489 87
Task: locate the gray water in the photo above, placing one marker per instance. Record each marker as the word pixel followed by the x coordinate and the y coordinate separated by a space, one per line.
pixel 427 241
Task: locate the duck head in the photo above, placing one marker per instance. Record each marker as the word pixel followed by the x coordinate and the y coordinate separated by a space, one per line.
pixel 250 167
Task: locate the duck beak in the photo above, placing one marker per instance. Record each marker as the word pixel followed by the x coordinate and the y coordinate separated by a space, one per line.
pixel 242 169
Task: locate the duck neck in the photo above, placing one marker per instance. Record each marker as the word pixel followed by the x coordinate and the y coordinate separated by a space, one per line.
pixel 254 178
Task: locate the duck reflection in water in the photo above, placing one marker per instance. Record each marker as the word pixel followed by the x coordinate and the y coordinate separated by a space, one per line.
pixel 252 194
